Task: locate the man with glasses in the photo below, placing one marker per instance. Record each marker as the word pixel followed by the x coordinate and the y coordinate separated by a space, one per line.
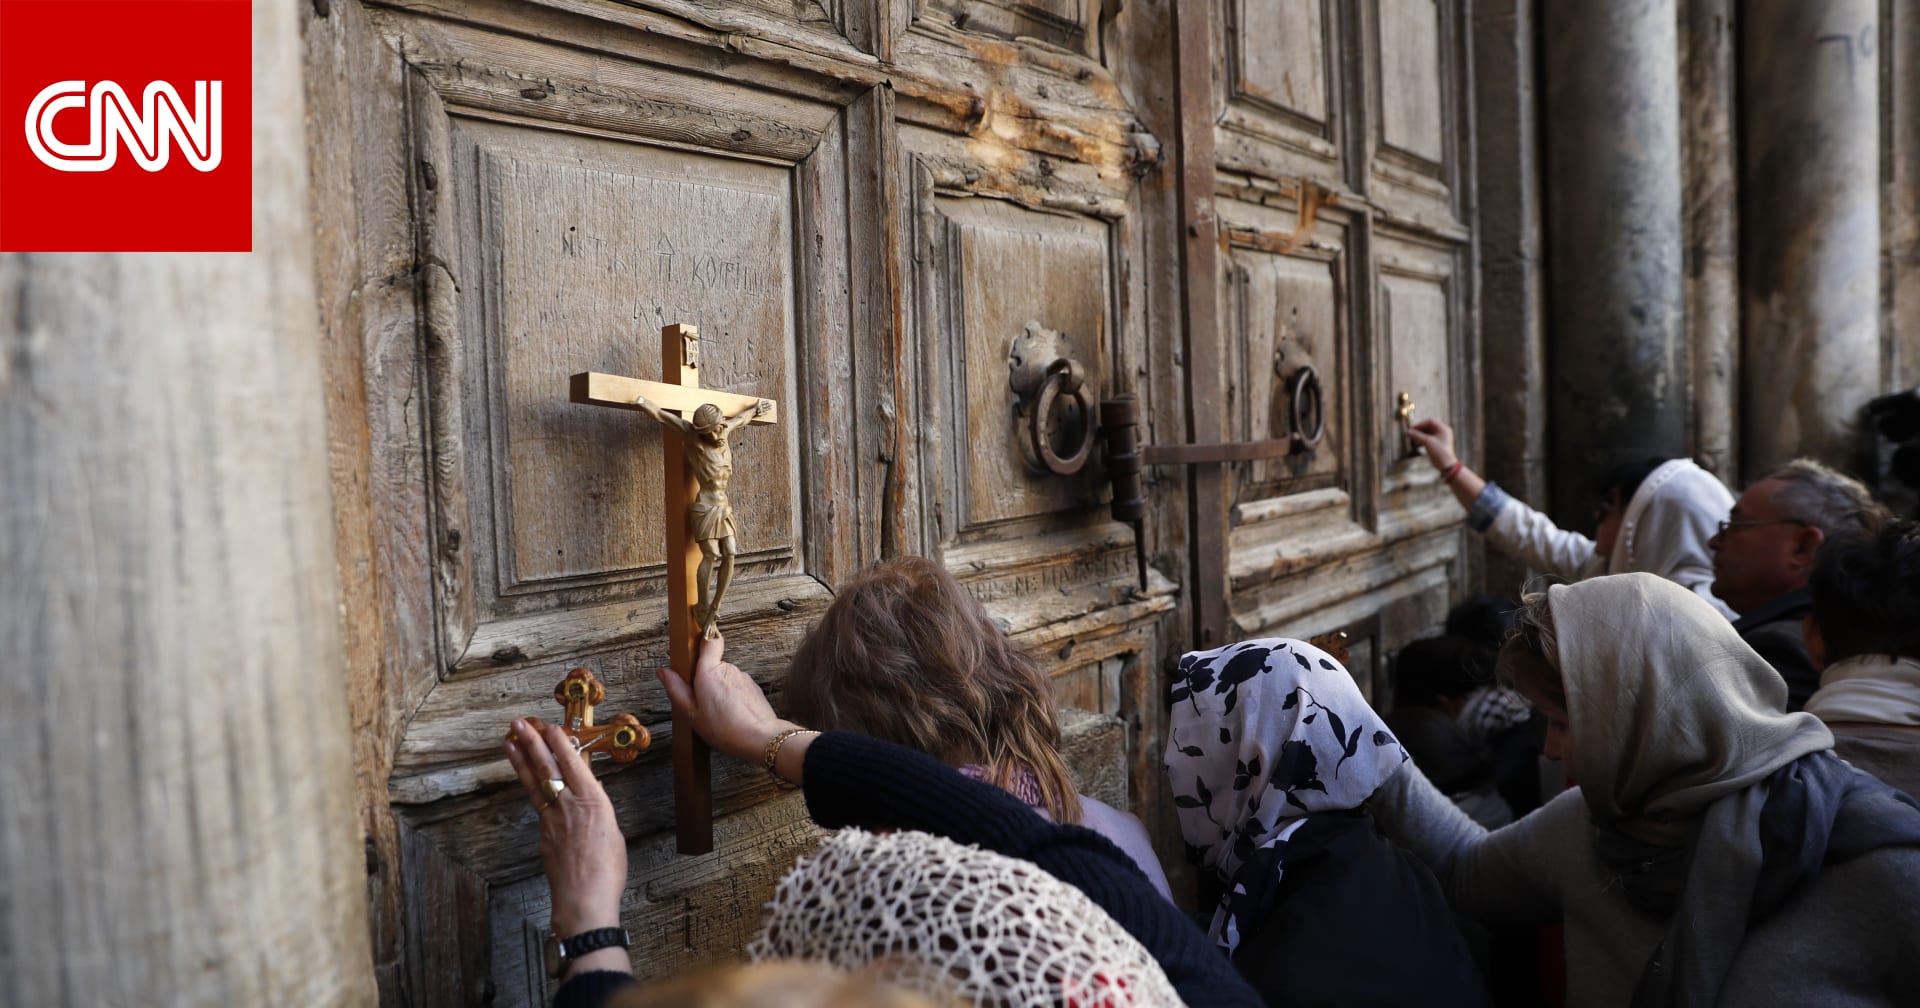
pixel 1764 551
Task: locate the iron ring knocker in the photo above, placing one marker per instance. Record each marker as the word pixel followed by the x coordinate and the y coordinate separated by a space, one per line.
pixel 1063 379
pixel 1306 409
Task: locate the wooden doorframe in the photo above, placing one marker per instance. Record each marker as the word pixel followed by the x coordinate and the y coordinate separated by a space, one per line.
pixel 1205 414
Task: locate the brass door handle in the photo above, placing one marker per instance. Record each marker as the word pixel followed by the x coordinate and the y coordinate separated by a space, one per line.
pixel 1403 415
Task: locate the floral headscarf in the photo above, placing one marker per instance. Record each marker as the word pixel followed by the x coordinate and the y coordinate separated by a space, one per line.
pixel 1262 734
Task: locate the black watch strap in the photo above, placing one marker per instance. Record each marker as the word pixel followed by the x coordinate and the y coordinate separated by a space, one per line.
pixel 593 941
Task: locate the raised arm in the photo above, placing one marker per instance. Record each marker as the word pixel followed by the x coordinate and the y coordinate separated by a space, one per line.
pixel 1437 439
pixel 673 420
pixel 851 780
pixel 1510 525
pixel 1508 875
pixel 747 415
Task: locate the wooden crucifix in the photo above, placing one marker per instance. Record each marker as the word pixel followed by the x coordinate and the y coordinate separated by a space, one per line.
pixel 698 466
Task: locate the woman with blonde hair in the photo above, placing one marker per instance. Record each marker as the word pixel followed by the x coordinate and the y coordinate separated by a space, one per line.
pixel 904 654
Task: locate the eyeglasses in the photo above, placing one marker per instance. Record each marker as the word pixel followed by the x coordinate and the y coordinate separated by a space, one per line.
pixel 1728 526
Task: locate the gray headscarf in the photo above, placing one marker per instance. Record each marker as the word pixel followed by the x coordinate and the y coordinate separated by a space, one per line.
pixel 1681 750
pixel 1671 709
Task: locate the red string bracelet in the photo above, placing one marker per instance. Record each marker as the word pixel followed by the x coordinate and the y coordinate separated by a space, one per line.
pixel 1452 471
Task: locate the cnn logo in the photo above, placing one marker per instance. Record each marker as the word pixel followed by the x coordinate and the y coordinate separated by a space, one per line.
pixel 113 119
pixel 126 126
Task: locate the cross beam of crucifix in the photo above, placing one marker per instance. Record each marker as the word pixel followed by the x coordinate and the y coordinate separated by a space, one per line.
pixel 698 466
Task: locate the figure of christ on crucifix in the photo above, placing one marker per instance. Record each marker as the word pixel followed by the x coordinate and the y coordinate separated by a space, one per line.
pixel 710 518
pixel 697 469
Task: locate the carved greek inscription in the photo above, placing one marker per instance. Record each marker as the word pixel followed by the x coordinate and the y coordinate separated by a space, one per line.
pixel 1060 578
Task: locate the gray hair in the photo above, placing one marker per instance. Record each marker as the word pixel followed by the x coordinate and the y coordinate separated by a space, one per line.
pixel 1824 498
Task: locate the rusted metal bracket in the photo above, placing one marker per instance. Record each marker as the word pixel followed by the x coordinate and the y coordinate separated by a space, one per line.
pixel 1338 644
pixel 1225 451
pixel 1119 428
pixel 1306 414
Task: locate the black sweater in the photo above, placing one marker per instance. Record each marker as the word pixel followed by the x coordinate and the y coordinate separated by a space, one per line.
pixel 852 780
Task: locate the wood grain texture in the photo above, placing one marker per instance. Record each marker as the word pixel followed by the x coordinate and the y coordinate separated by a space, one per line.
pixel 177 814
pixel 359 274
pixel 1290 312
pixel 692 759
pixel 619 391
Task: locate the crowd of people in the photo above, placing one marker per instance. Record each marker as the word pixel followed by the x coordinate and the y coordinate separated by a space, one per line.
pixel 1680 774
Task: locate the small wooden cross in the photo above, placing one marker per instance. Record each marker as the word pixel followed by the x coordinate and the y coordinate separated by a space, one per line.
pixel 624 738
pixel 678 391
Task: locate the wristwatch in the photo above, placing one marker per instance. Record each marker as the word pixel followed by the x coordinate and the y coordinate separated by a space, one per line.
pixel 561 952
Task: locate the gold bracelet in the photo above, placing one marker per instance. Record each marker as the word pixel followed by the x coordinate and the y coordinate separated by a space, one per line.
pixel 773 750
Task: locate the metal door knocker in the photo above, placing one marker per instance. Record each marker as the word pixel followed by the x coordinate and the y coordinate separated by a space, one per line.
pixel 1053 402
pixel 1306 409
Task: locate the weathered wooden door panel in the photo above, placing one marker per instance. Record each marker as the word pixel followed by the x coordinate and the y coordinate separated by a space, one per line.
pixel 1342 239
pixel 862 204
pixel 572 185
pixel 1413 87
pixel 1069 24
pixel 578 173
pixel 1282 101
pixel 571 222
pixel 1024 208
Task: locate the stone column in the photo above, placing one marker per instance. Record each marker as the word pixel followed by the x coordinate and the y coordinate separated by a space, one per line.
pixel 1900 119
pixel 1506 161
pixel 1810 227
pixel 1617 358
pixel 1708 105
pixel 177 815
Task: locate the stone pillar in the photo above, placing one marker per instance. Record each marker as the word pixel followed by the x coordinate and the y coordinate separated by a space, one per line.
pixel 177 815
pixel 1810 227
pixel 1900 119
pixel 1512 273
pixel 1710 211
pixel 1617 358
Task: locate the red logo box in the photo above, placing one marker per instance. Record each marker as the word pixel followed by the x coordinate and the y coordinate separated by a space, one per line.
pixel 126 125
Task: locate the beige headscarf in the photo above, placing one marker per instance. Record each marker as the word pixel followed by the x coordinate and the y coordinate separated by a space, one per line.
pixel 1670 709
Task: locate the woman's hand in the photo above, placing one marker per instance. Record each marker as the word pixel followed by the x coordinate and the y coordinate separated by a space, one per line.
pixel 580 843
pixel 1437 438
pixel 724 704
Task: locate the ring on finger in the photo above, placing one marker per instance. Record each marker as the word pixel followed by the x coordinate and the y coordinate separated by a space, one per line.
pixel 552 788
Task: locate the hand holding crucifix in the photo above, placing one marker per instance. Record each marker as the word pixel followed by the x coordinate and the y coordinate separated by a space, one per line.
pixel 698 467
pixel 710 518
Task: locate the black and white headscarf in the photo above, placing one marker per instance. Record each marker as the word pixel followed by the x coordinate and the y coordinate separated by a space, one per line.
pixel 1262 734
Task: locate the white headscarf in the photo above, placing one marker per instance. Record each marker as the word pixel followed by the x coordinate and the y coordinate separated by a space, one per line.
pixel 1263 733
pixel 955 921
pixel 1665 528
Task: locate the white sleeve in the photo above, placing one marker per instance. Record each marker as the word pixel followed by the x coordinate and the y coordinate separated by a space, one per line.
pixel 1531 537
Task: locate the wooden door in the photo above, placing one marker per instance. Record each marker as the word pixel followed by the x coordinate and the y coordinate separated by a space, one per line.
pixel 1343 229
pixel 862 205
